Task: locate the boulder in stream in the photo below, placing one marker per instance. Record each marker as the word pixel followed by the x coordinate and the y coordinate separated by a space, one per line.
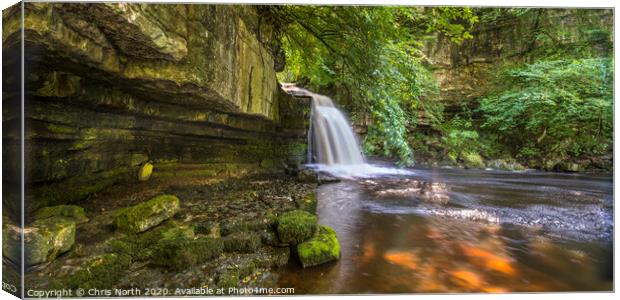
pixel 322 248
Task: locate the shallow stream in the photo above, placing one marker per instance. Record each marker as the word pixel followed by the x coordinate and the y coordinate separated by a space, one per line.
pixel 454 230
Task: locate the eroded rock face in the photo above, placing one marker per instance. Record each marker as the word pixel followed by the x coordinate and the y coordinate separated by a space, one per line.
pixel 190 89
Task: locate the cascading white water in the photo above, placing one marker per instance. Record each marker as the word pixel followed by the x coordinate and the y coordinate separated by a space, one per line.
pixel 333 141
pixel 332 144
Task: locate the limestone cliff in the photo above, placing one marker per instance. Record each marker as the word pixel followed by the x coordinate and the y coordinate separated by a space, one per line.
pixel 108 87
pixel 464 71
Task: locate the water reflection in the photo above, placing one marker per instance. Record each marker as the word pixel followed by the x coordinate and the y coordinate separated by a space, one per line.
pixel 391 244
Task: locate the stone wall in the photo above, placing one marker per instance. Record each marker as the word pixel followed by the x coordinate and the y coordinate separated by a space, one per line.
pixel 109 87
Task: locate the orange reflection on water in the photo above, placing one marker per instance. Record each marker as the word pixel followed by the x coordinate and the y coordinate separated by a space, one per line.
pixel 488 259
pixel 406 259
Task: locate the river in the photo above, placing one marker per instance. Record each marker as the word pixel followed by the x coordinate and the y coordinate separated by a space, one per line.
pixel 455 230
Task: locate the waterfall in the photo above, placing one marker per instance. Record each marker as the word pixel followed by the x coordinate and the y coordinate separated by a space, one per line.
pixel 332 145
pixel 332 139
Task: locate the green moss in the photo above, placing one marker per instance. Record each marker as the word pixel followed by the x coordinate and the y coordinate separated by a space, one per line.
pixel 178 252
pixel 244 242
pixel 48 238
pixel 138 159
pixel 308 203
pixel 147 214
pixel 140 246
pixel 73 212
pixel 472 160
pixel 270 163
pixel 100 272
pixel 228 279
pixel 207 228
pixel 322 248
pixel 77 188
pixel 296 226
pixel 61 129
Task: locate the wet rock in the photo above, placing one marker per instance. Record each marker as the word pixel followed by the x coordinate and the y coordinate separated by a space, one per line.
pixel 210 229
pixel 323 178
pixel 73 212
pixel 145 215
pixel 308 176
pixel 236 225
pixel 508 165
pixel 244 242
pixel 272 257
pixel 568 166
pixel 177 250
pixel 322 248
pixel 296 226
pixel 308 202
pixel 44 240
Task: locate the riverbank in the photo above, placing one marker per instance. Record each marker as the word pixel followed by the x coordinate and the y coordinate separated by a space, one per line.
pixel 238 214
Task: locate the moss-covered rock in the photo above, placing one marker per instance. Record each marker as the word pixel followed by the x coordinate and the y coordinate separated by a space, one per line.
pixel 147 214
pixel 244 242
pixel 509 165
pixel 228 279
pixel 44 240
pixel 322 248
pixel 210 229
pixel 296 226
pixel 308 176
pixel 73 212
pixel 178 249
pixel 472 160
pixel 308 202
pixel 100 272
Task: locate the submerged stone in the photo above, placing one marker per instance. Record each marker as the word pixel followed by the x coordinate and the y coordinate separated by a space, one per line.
pixel 296 226
pixel 145 215
pixel 322 248
pixel 44 240
pixel 68 211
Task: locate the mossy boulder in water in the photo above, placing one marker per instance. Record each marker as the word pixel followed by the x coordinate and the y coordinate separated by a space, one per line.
pixel 145 215
pixel 73 212
pixel 296 226
pixel 322 248
pixel 44 240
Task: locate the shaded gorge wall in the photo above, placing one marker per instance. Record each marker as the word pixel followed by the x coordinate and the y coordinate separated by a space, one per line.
pixel 110 87
pixel 465 72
